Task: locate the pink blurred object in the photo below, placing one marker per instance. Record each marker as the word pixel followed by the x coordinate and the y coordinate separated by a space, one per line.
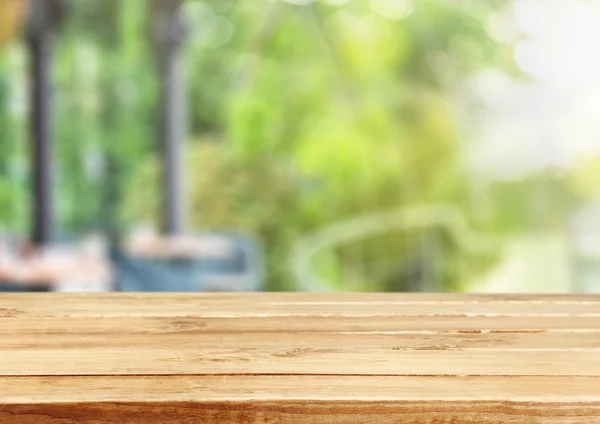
pixel 55 267
pixel 151 245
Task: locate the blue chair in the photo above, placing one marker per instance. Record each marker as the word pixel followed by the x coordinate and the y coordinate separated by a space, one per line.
pixel 60 240
pixel 242 270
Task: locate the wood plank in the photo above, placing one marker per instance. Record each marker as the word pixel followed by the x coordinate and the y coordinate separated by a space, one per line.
pixel 123 353
pixel 12 327
pixel 290 342
pixel 286 304
pixel 299 400
pixel 29 390
pixel 153 346
pixel 165 360
pixel 307 359
pixel 303 412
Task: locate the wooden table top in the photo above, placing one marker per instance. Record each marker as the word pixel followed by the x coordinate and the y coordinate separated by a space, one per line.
pixel 299 358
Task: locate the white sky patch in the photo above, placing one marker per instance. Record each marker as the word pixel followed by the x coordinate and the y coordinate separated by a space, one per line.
pixel 550 121
pixel 392 9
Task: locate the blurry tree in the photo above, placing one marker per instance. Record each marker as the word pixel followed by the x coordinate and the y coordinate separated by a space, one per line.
pixel 107 89
pixel 302 113
pixel 348 98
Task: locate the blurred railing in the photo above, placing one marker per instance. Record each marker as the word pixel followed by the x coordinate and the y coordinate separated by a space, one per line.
pixel 351 231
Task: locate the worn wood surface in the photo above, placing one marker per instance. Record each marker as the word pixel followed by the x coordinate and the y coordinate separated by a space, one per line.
pixel 299 358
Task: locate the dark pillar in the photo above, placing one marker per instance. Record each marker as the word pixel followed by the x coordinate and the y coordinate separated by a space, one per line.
pixel 45 18
pixel 169 33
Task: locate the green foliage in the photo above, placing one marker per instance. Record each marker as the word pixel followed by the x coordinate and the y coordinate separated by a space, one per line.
pixel 104 98
pixel 318 112
pixel 542 201
pixel 260 197
pixel 301 115
pixel 585 180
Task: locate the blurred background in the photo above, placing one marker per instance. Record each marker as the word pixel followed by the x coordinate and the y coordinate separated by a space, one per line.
pixel 311 145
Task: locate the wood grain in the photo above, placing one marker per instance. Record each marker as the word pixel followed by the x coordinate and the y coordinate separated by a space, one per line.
pixel 299 358
pixel 294 304
pixel 301 399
